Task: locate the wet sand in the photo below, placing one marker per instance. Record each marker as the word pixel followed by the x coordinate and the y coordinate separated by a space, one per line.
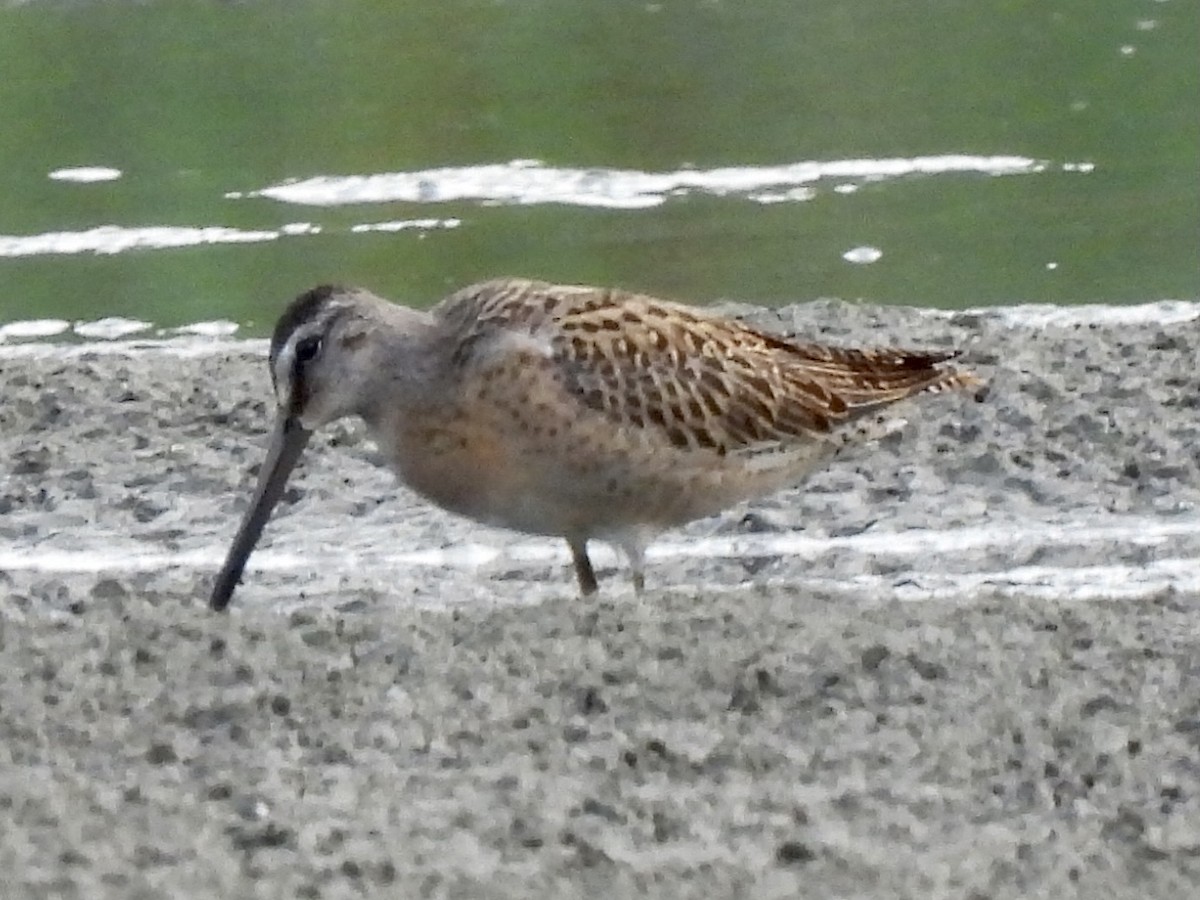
pixel 963 720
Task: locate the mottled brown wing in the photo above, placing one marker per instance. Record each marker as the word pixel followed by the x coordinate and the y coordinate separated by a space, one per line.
pixel 699 380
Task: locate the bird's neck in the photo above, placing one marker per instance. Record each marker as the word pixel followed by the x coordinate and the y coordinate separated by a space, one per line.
pixel 407 375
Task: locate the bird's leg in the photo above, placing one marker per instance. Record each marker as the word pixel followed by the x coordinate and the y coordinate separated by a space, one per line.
pixel 635 550
pixel 583 566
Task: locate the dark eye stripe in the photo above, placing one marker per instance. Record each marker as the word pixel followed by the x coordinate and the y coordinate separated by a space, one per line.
pixel 308 349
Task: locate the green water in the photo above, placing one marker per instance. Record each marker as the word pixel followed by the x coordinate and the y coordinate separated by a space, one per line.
pixel 195 101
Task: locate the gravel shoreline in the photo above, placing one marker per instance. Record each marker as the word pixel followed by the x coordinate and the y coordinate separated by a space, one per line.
pixel 858 720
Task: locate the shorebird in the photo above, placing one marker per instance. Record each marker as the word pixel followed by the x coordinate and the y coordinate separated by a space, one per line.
pixel 577 412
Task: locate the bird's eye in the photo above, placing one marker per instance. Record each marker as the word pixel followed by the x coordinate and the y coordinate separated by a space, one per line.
pixel 308 349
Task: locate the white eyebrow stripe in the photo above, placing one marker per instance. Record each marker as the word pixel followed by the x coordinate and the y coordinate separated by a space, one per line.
pixel 282 373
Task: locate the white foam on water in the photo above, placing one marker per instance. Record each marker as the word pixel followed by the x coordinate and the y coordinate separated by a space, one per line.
pixel 85 174
pixel 406 225
pixel 519 182
pixel 217 328
pixel 794 195
pixel 33 328
pixel 110 327
pixel 109 239
pixel 112 239
pixel 212 338
pixel 295 229
pixel 527 181
pixel 862 256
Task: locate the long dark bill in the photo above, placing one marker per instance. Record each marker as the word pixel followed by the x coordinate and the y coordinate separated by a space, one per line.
pixel 287 443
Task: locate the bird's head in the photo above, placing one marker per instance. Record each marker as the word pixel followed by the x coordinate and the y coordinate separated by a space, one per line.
pixel 321 368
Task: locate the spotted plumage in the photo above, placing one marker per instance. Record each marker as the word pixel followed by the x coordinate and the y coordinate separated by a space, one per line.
pixel 574 411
